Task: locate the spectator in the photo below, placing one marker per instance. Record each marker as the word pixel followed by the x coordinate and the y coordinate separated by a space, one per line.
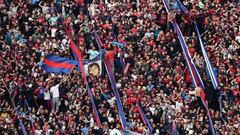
pixel 54 90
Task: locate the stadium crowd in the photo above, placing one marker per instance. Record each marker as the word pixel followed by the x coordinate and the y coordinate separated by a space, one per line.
pixel 157 78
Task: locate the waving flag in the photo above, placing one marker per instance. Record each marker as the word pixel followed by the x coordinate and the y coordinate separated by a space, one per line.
pixel 35 1
pixel 210 70
pixel 56 64
pixel 78 57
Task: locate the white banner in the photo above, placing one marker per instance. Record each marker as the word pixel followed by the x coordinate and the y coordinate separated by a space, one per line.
pixel 93 66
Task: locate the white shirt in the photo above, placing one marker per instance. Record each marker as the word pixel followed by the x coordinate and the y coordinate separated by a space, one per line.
pixel 45 9
pixel 152 109
pixel 110 119
pixel 55 91
pixel 38 132
pixel 179 106
pixel 237 39
pixel 64 44
pixel 111 101
pixel 92 9
pixel 115 132
pixel 46 95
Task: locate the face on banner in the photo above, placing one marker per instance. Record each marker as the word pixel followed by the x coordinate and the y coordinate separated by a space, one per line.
pixel 94 69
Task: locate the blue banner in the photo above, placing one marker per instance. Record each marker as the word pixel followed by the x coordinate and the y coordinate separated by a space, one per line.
pixel 196 79
pixel 116 93
pixel 144 118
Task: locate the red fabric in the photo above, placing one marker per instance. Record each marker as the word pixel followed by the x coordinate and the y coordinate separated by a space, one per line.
pixel 235 92
pixel 41 19
pixel 80 2
pixel 203 96
pixel 163 19
pixel 136 14
pixel 178 77
pixel 152 43
pixel 80 41
pixel 130 100
pixel 205 20
pixel 238 79
pixel 36 92
pixel 15 93
pixel 70 120
pixel 135 109
pixel 154 65
pixel 192 51
pixel 37 45
pixel 134 30
pixel 106 26
pixel 128 91
pixel 187 76
pixel 211 11
pixel 110 54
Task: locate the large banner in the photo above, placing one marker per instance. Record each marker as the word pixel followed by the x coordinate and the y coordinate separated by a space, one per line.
pixel 93 66
pixel 196 79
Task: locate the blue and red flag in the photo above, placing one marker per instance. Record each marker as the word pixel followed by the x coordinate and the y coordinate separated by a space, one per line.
pixel 113 83
pixel 116 93
pixel 22 127
pixel 196 79
pixel 97 118
pixel 209 66
pixel 211 71
pixel 78 56
pixel 182 7
pixel 55 64
pixel 99 43
pixel 144 118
